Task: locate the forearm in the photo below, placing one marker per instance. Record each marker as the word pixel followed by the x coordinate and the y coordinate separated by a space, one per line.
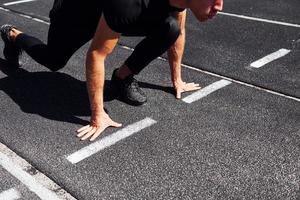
pixel 102 45
pixel 95 73
pixel 175 54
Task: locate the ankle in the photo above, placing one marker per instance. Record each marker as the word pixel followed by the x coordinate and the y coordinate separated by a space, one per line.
pixel 123 72
pixel 13 34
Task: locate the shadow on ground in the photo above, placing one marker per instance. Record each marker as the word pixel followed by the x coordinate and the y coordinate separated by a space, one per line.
pixel 56 96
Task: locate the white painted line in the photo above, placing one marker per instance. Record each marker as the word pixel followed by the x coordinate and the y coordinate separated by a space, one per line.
pixel 17 2
pixel 37 175
pixel 241 83
pixel 206 91
pixel 11 194
pixel 269 58
pixel 26 179
pixel 260 20
pixel 109 140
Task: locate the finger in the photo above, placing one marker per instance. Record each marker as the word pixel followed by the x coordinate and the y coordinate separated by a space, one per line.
pixel 192 84
pixel 82 128
pixel 192 88
pixel 178 94
pixel 83 132
pixel 218 5
pixel 115 124
pixel 97 133
pixel 89 134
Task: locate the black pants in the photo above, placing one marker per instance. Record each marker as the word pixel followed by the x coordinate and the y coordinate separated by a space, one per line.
pixel 68 31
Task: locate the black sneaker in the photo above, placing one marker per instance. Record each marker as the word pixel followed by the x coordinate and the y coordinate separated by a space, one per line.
pixel 11 51
pixel 128 90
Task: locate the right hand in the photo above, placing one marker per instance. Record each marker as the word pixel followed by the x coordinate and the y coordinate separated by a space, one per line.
pixel 217 7
pixel 99 122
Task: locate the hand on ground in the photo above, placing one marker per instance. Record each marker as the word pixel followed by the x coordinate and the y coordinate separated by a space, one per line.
pixel 181 87
pixel 97 125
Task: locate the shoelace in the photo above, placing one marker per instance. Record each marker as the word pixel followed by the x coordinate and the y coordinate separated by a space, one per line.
pixel 134 84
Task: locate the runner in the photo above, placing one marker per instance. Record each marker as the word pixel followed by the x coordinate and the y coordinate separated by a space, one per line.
pixel 74 22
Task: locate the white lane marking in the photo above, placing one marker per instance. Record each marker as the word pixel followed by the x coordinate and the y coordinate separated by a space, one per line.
pixel 269 58
pixel 11 194
pixel 17 2
pixel 241 83
pixel 26 179
pixel 109 140
pixel 260 20
pixel 206 91
pixel 36 174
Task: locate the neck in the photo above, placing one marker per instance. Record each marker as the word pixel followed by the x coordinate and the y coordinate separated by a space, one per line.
pixel 178 3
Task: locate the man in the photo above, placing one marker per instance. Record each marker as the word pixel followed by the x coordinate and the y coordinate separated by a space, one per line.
pixel 118 18
pixel 73 23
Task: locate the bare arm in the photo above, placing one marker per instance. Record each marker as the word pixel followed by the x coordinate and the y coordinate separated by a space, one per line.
pixel 102 45
pixel 175 54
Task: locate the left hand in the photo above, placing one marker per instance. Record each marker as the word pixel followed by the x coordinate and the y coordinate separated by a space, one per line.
pixel 181 87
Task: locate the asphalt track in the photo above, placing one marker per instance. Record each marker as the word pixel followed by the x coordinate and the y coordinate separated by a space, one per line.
pixel 239 142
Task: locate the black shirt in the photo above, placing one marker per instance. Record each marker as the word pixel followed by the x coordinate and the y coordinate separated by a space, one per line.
pixel 123 16
pixel 132 16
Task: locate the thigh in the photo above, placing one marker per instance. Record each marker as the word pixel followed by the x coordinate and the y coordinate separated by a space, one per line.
pixel 64 39
pixel 73 24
